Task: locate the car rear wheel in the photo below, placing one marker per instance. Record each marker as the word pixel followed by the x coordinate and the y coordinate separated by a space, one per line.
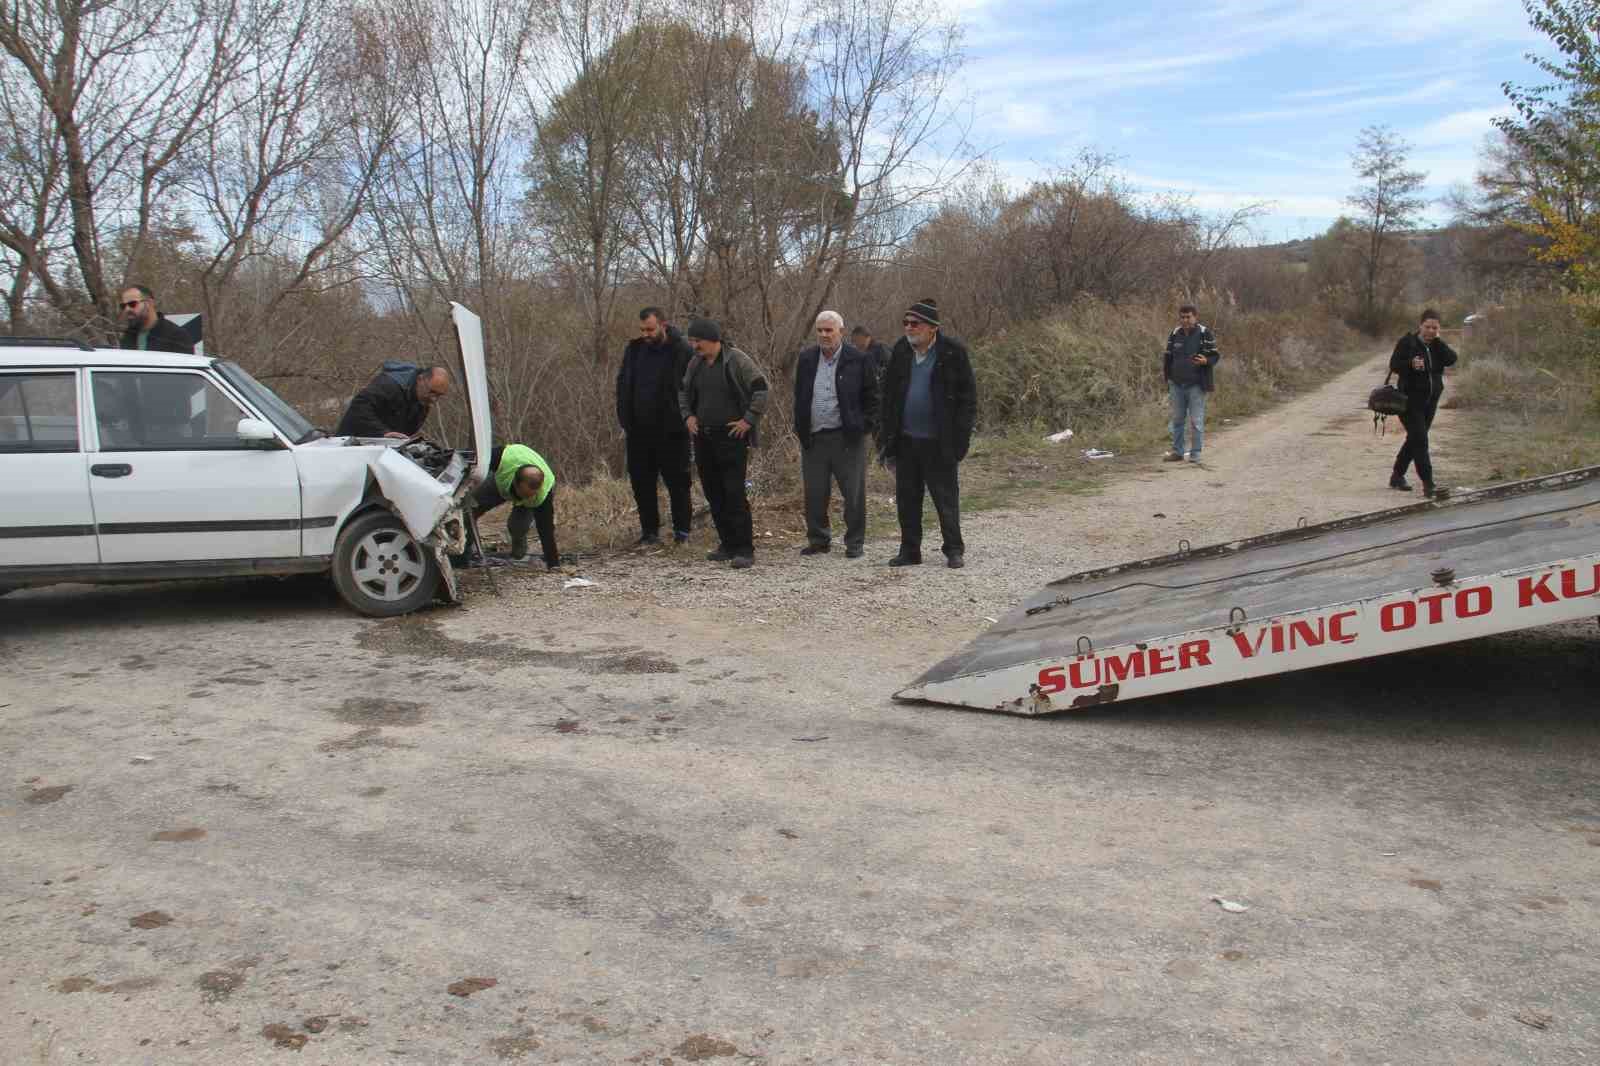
pixel 380 568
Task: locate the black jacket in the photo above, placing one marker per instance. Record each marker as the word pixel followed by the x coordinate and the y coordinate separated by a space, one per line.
pixel 387 404
pixel 164 337
pixel 670 422
pixel 877 357
pixel 955 397
pixel 1208 348
pixel 1425 386
pixel 857 385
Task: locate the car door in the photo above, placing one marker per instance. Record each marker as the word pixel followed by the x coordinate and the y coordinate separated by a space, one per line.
pixel 45 514
pixel 172 482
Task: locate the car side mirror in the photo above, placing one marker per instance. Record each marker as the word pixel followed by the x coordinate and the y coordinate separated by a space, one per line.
pixel 254 433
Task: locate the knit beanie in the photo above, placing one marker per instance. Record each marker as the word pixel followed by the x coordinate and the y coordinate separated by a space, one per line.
pixel 704 329
pixel 927 310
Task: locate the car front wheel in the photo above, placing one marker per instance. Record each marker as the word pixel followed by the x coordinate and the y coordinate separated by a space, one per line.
pixel 381 569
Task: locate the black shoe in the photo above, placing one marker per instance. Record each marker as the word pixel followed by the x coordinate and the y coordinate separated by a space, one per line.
pixel 854 553
pixel 955 561
pixel 742 562
pixel 816 549
pixel 679 537
pixel 906 560
pixel 1434 492
pixel 647 539
pixel 1400 484
pixel 1172 457
pixel 718 555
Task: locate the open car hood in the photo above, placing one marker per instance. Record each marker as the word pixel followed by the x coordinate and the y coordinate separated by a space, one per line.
pixel 469 342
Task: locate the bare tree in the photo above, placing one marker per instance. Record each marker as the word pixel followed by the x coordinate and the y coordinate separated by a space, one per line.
pixel 1387 204
pixel 121 90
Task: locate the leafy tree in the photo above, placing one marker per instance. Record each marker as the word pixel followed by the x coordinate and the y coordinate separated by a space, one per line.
pixel 1557 126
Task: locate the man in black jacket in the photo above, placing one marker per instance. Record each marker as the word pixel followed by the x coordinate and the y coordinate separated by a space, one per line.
pixel 396 402
pixel 648 381
pixel 1419 360
pixel 930 402
pixel 146 329
pixel 1186 366
pixel 877 355
pixel 835 408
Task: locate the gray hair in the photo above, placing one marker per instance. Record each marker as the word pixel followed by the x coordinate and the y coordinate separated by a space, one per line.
pixel 831 316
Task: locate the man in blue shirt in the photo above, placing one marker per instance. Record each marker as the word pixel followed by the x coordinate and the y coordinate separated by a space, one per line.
pixel 930 403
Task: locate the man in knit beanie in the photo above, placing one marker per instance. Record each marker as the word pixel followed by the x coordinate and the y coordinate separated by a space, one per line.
pixel 930 402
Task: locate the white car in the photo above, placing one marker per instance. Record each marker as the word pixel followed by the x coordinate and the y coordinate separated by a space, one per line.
pixel 143 466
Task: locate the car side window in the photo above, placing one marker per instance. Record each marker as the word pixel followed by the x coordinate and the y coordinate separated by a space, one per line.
pixel 137 411
pixel 39 412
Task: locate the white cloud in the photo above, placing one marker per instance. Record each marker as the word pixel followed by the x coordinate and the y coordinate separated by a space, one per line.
pixel 1460 126
pixel 1426 91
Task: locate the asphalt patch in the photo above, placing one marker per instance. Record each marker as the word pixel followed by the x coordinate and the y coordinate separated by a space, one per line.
pixel 283 1036
pixel 365 710
pixel 700 1047
pixel 370 737
pixel 219 984
pixel 179 836
pixel 515 1046
pixel 468 985
pixel 412 635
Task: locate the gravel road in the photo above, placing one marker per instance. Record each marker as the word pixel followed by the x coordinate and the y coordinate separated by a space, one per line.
pixel 674 817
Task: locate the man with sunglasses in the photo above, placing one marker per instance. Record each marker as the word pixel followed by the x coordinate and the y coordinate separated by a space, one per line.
pixel 146 329
pixel 930 402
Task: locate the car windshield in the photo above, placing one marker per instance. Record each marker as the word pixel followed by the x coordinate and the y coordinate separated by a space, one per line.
pixel 285 417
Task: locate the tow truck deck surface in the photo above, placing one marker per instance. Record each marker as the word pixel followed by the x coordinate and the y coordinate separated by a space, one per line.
pixel 1508 557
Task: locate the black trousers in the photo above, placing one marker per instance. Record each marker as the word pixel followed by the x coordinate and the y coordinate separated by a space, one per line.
pixel 724 462
pixel 652 456
pixel 488 497
pixel 918 465
pixel 1417 421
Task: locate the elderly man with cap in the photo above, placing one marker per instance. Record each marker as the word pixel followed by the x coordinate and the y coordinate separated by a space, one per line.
pixel 835 409
pixel 723 398
pixel 930 402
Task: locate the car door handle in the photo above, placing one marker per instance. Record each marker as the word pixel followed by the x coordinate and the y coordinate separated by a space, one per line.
pixel 111 469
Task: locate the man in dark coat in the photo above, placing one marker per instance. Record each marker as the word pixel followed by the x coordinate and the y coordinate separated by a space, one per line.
pixel 930 402
pixel 835 409
pixel 877 355
pixel 723 398
pixel 653 365
pixel 146 329
pixel 1419 360
pixel 396 402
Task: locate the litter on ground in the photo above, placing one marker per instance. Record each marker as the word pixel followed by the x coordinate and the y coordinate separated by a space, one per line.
pixel 1057 438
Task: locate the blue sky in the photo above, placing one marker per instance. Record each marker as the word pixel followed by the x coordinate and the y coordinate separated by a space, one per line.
pixel 1232 101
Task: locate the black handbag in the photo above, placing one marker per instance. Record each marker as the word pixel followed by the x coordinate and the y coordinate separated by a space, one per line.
pixel 1387 399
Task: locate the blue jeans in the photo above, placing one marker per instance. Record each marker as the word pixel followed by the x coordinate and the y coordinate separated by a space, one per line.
pixel 1188 406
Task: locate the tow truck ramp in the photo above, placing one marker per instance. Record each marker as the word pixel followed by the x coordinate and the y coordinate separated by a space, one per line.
pixel 1508 557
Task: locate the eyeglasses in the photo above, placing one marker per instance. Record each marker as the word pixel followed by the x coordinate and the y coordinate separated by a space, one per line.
pixel 908 323
pixel 129 305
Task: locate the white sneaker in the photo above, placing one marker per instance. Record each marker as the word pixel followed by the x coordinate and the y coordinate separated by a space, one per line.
pixel 1194 457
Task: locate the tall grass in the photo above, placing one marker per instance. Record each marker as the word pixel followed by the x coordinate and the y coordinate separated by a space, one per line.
pixel 1530 374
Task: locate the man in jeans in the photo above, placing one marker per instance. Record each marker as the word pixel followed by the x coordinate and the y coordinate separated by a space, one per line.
pixel 723 398
pixel 1191 353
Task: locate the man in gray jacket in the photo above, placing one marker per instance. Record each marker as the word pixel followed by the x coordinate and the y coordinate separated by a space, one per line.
pixel 723 398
